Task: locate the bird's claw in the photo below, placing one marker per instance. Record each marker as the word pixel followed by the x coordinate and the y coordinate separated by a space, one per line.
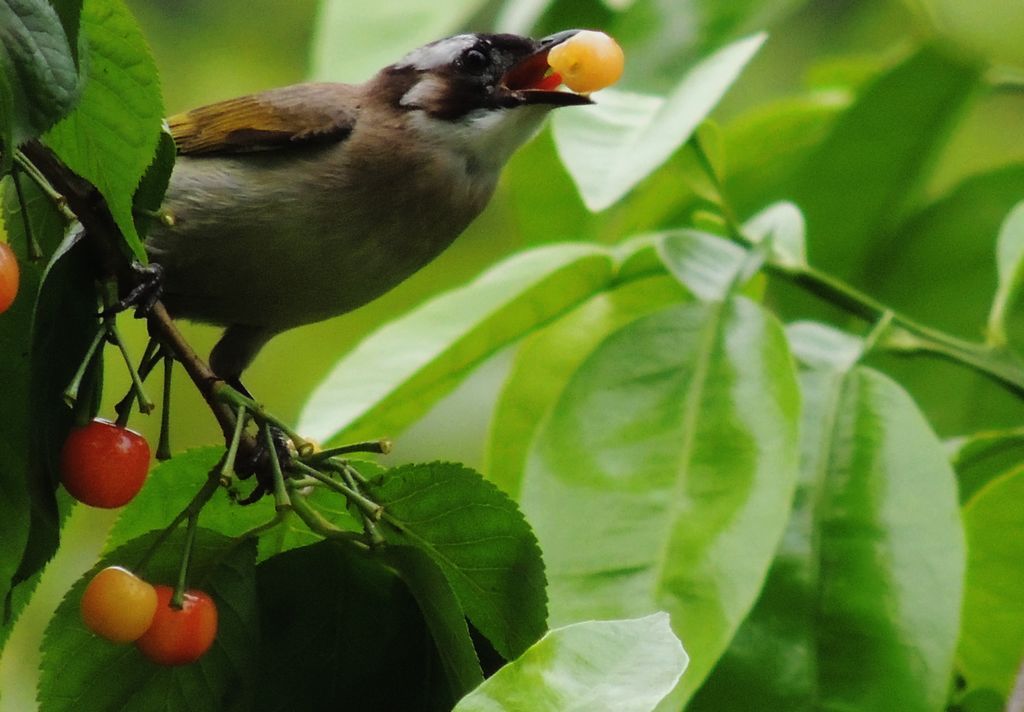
pixel 143 295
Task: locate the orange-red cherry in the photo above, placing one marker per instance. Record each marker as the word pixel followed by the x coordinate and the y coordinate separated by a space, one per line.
pixel 179 636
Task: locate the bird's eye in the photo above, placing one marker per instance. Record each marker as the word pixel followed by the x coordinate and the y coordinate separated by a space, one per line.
pixel 473 61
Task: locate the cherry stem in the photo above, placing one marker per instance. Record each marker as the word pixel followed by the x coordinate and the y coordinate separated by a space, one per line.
pixel 178 598
pixel 343 467
pixel 146 365
pixel 379 447
pixel 226 393
pixel 318 524
pixel 261 529
pixel 145 404
pixel 282 501
pixel 227 470
pixel 71 392
pixel 59 200
pixel 368 507
pixel 369 525
pixel 34 252
pixel 194 506
pixel 163 449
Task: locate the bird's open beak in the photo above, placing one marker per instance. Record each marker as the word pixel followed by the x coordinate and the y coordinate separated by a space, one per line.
pixel 530 79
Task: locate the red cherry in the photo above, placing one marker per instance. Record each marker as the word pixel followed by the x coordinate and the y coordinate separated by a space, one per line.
pixel 9 277
pixel 179 637
pixel 104 465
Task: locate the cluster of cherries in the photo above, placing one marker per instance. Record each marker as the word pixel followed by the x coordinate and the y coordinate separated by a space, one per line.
pixel 104 465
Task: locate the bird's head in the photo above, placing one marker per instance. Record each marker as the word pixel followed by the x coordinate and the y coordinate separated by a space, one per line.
pixel 483 94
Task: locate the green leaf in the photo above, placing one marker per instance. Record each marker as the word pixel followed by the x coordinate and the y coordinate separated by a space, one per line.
pixel 671 455
pixel 112 135
pixel 150 193
pixel 861 609
pixel 41 79
pixel 478 538
pixel 1006 320
pixel 707 265
pixel 761 171
pixel 82 671
pixel 953 235
pixel 6 124
pixel 981 457
pixel 16 374
pixel 340 631
pixel 822 346
pixel 613 145
pixel 781 224
pixel 548 358
pixel 596 666
pixel 993 620
pixel 352 46
pixel 383 385
pixel 850 195
pixel 442 614
pixel 45 333
pixel 70 13
pixel 64 324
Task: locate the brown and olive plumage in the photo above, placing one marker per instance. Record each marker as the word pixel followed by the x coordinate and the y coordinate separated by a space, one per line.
pixel 305 202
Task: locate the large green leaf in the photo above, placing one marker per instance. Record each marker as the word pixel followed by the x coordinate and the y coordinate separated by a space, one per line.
pixel 351 45
pixel 45 334
pixel 396 373
pixel 1006 320
pixel 82 671
pixel 955 235
pixel 111 136
pixel 596 666
pixel 63 325
pixel 40 78
pixel 477 536
pixel 992 640
pixel 16 374
pixel 849 193
pixel 613 145
pixel 546 361
pixel 861 609
pixel 340 631
pixel 662 478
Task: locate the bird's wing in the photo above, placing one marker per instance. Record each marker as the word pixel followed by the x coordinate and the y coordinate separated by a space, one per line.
pixel 298 114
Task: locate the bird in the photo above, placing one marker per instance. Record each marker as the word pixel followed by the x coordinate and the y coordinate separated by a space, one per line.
pixel 301 203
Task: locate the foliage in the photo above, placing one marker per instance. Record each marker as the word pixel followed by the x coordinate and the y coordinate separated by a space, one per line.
pixel 708 433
